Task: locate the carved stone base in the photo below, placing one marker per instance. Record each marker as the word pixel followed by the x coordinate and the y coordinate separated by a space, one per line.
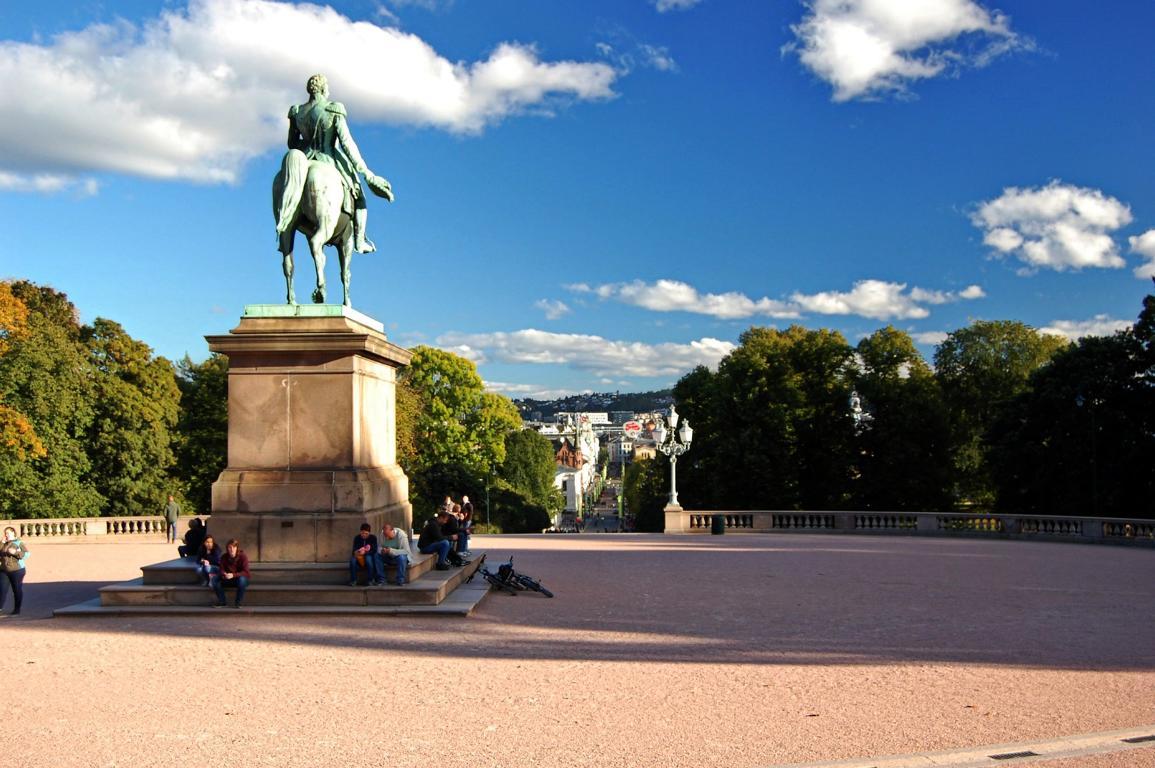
pixel 312 443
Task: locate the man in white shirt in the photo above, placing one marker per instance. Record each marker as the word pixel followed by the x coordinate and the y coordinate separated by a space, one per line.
pixel 395 551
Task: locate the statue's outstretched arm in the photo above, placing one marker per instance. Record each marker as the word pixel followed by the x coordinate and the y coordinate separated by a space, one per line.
pixel 350 146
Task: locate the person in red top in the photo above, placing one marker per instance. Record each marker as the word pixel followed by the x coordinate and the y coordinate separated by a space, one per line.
pixel 234 572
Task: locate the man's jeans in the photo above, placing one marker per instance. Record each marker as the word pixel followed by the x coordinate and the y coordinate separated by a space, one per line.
pixel 441 548
pixel 219 584
pixel 172 533
pixel 372 568
pixel 402 564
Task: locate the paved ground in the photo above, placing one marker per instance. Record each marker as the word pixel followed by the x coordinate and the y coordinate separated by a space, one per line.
pixel 751 650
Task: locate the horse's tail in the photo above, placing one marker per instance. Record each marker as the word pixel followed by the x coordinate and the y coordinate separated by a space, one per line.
pixel 294 170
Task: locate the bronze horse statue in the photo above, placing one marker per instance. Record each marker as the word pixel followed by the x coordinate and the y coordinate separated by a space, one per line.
pixel 309 197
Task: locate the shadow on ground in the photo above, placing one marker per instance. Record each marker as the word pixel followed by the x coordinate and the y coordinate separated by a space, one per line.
pixel 749 599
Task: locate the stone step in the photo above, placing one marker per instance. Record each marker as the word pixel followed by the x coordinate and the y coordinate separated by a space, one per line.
pixel 460 602
pixel 183 572
pixel 431 588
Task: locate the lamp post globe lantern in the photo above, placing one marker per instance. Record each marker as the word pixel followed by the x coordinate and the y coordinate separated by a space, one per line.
pixel 673 443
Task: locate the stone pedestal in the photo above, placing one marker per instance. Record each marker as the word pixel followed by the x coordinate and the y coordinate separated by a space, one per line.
pixel 312 433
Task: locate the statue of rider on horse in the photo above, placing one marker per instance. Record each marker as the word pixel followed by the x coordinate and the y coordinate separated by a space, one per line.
pixel 318 191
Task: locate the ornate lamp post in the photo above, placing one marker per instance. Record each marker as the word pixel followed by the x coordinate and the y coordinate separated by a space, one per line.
pixel 673 445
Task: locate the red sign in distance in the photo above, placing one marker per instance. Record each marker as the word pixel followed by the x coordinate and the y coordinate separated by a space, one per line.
pixel 632 429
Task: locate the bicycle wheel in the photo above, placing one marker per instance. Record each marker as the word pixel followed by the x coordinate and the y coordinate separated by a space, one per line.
pixel 530 583
pixel 496 583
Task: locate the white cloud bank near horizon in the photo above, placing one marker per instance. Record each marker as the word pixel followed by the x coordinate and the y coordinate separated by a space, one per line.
pixel 875 299
pixel 197 91
pixel 1099 325
pixel 601 356
pixel 1059 226
pixel 869 48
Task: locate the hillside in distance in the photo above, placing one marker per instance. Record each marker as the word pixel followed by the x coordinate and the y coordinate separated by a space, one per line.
pixel 597 402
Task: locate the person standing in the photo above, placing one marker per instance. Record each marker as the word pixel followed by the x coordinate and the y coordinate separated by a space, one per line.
pixel 13 556
pixel 171 515
pixel 395 552
pixel 465 526
pixel 234 573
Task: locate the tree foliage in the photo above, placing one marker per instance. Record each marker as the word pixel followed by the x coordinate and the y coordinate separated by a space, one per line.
pixel 451 432
pixel 646 489
pixel 771 427
pixel 203 428
pixel 981 368
pixel 1080 439
pixel 93 407
pixel 903 454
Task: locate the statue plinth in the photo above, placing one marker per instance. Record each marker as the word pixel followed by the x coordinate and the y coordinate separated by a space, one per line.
pixel 312 433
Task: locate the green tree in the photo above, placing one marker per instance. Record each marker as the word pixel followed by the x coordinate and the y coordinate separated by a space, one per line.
pixel 771 428
pixel 1080 439
pixel 451 433
pixel 46 377
pixel 646 489
pixel 981 368
pixel 17 436
pixel 203 428
pixel 135 411
pixel 904 454
pixel 529 467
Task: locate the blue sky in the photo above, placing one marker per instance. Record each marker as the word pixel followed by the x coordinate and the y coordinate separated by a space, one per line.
pixel 596 195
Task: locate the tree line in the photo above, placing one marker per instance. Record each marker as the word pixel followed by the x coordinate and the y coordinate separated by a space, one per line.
pixel 1008 419
pixel 92 423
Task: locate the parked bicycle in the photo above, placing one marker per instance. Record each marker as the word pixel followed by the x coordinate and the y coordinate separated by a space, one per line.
pixel 509 580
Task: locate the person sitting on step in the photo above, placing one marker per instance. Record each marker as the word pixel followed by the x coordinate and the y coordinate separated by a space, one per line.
pixel 234 573
pixel 432 540
pixel 208 560
pixel 395 552
pixel 193 538
pixel 365 553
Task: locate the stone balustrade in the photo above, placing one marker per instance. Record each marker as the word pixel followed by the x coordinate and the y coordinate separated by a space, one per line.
pixel 1090 529
pixel 74 529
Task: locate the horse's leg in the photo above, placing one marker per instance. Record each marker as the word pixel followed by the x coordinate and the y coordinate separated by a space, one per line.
pixel 317 246
pixel 345 249
pixel 286 247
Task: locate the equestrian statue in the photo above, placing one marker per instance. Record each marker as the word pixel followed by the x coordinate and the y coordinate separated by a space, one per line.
pixel 318 191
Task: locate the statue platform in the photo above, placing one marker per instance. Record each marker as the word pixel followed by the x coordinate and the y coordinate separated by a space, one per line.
pixel 312 433
pixel 170 588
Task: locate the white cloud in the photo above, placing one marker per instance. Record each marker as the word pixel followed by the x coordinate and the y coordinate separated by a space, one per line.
pixel 869 47
pixel 532 391
pixel 1099 325
pixel 553 308
pixel 868 298
pixel 674 5
pixel 603 357
pixel 47 183
pixel 196 92
pixel 657 57
pixel 880 300
pixel 1144 245
pixel 1058 226
pixel 676 296
pixel 930 337
pixel 946 297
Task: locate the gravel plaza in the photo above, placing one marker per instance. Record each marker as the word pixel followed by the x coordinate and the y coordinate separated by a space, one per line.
pixel 739 650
